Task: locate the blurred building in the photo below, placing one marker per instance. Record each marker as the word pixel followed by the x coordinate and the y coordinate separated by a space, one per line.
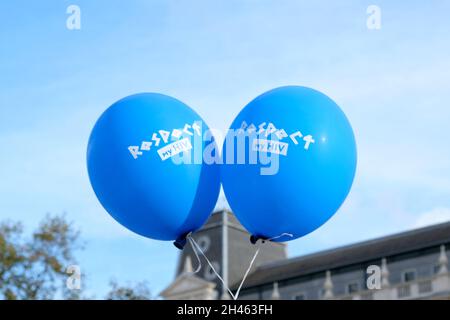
pixel 408 265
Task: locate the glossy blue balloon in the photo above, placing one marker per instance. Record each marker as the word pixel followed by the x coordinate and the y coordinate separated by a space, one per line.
pixel 312 153
pixel 133 160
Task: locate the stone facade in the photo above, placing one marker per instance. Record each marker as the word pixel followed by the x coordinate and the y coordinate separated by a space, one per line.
pixel 410 265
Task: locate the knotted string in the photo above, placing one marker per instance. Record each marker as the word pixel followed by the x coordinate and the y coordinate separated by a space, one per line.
pixel 196 248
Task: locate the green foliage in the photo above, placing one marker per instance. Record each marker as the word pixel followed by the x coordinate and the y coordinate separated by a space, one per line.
pixel 34 267
pixel 138 292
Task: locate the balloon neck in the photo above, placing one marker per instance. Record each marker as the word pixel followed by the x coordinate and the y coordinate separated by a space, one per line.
pixel 181 241
pixel 254 239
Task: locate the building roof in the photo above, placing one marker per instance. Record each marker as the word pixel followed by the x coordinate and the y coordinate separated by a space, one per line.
pixel 354 254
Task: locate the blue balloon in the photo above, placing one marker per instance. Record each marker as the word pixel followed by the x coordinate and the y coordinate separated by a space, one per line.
pixel 295 165
pixel 146 166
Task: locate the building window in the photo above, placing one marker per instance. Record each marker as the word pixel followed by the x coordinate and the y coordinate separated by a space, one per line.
pixel 352 287
pixel 299 296
pixel 321 293
pixel 425 286
pixel 436 269
pixel 409 275
pixel 404 291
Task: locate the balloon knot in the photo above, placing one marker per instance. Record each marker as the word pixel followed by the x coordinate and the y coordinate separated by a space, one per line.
pixel 181 241
pixel 254 239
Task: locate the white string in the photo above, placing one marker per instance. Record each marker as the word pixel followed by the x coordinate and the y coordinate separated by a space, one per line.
pixel 281 235
pixel 199 262
pixel 246 273
pixel 196 247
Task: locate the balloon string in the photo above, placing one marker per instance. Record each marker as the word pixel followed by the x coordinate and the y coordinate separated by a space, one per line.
pixel 246 273
pixel 281 235
pixel 196 248
pixel 199 262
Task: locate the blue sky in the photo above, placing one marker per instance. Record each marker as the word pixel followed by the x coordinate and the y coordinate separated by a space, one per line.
pixel 393 84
